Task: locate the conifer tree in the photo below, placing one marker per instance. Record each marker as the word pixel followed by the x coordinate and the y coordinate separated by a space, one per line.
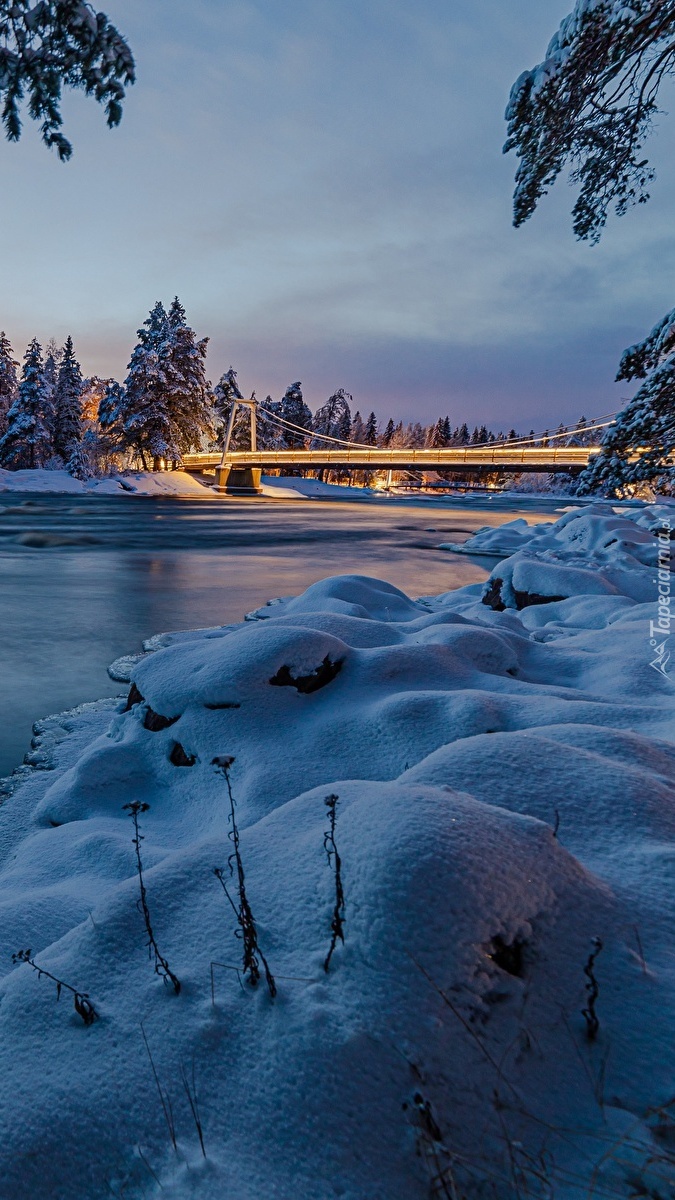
pixel 334 417
pixel 68 402
pixel 358 430
pixel 9 384
pixel 463 435
pixel 26 442
pixel 80 464
pixel 639 446
pixel 225 393
pixel 189 402
pixel 388 432
pixel 371 430
pixel 141 410
pixel 51 373
pixel 292 408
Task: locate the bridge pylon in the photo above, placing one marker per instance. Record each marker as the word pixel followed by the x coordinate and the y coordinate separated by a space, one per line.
pixel 239 480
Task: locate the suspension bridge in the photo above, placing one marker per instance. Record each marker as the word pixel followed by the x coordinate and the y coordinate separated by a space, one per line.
pixel 239 471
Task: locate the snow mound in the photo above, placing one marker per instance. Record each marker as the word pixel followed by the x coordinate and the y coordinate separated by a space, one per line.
pixel 480 801
pixel 593 551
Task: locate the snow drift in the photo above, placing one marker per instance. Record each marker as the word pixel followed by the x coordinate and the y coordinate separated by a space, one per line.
pixel 498 1020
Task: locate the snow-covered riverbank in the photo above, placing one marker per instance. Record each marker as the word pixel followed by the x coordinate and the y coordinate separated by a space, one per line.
pixel 499 1018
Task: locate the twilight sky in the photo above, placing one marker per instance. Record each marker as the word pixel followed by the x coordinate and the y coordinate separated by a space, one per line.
pixel 321 182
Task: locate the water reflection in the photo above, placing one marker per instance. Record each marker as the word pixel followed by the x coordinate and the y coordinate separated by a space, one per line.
pixel 66 611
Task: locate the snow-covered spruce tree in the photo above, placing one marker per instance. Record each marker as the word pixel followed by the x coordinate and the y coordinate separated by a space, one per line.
pixel 54 44
pixel 9 384
pixel 371 430
pixel 53 356
pixel 639 447
pixel 26 443
pixel 334 418
pixel 292 408
pixel 139 411
pixel 358 430
pixel 67 402
pixel 225 393
pixel 189 401
pixel 388 434
pixel 81 463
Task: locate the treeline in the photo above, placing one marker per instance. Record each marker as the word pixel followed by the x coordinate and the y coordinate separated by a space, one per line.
pixel 50 416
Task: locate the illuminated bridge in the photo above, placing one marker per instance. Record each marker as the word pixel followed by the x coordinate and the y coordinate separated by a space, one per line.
pixel 239 471
pixel 244 467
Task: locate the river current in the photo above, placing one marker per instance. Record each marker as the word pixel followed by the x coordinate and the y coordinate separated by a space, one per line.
pixel 85 579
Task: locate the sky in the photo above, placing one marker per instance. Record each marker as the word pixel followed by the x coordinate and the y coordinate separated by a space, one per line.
pixel 322 184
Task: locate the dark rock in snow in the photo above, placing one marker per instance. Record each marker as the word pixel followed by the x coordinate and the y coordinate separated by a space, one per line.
pixel 180 758
pixel 525 599
pixel 318 678
pixel 155 722
pixel 493 596
pixel 134 697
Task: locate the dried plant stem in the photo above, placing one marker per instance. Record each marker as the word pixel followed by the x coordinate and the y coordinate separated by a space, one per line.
pixel 252 954
pixel 337 924
pixel 161 966
pixel 81 1002
pixel 164 1097
pixel 592 992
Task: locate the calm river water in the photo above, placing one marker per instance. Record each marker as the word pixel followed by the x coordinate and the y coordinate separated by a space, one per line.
pixel 85 579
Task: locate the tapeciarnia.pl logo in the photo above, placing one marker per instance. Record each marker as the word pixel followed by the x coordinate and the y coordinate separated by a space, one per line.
pixel 659 630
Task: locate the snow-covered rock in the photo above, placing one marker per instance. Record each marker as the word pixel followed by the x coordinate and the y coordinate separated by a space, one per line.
pixel 596 550
pixel 505 817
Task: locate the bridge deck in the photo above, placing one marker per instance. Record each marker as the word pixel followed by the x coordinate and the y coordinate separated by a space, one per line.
pixel 455 458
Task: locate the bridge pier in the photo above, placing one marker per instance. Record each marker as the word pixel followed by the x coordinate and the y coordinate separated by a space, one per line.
pixel 238 481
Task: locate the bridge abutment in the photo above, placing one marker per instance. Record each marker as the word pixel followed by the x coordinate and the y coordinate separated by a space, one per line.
pixel 238 481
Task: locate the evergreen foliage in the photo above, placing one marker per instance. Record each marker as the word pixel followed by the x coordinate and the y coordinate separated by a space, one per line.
pixel 358 430
pixel 334 418
pixel 592 103
pixel 371 430
pixel 639 447
pixel 53 357
pixel 388 433
pixel 67 402
pixel 225 393
pixel 53 44
pixel 81 463
pixel 164 409
pixel 9 384
pixel 293 408
pixel 26 443
pixel 189 402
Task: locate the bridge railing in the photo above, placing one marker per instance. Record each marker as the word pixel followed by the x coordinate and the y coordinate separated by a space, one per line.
pixel 420 459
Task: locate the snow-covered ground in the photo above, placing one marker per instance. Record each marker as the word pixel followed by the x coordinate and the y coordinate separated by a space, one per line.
pixel 165 483
pixel 142 483
pixel 498 1021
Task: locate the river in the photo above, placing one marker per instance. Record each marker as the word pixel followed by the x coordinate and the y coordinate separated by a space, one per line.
pixel 85 579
